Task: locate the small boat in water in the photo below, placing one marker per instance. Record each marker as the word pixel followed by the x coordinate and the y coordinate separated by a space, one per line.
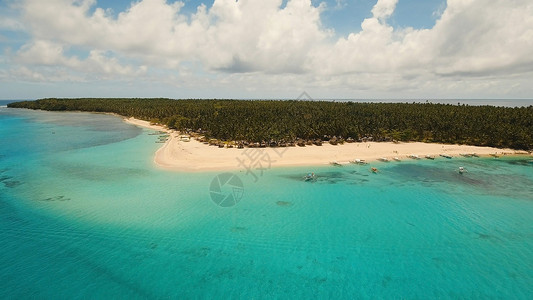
pixel 374 170
pixel 462 170
pixel 310 177
pixel 430 157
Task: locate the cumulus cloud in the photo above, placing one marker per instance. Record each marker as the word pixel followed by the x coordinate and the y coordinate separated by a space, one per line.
pixel 247 39
pixel 235 36
pixel 45 53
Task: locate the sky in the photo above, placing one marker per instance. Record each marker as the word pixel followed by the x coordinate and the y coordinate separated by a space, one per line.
pixel 267 49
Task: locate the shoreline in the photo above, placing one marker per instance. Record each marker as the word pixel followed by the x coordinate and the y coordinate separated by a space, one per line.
pixel 194 156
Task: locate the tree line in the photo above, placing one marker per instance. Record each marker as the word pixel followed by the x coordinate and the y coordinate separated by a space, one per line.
pixel 273 120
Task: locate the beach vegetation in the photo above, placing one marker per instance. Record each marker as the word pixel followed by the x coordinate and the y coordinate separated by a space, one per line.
pixel 281 122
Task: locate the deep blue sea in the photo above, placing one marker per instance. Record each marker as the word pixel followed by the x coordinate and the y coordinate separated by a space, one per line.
pixel 84 213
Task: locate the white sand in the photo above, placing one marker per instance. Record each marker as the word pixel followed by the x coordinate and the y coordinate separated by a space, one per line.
pixel 144 124
pixel 195 156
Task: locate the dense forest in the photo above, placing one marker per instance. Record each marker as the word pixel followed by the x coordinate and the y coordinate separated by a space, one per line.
pixel 272 122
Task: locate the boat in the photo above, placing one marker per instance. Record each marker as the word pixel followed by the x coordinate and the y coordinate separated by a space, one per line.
pixel 465 155
pixel 336 164
pixel 358 161
pixel 462 170
pixel 446 155
pixel 396 158
pixel 430 157
pixel 495 155
pixel 383 159
pixel 414 156
pixel 157 133
pixel 310 177
pixel 374 170
pixel 474 155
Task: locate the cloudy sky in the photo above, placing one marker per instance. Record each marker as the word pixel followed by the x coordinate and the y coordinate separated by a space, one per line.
pixel 357 49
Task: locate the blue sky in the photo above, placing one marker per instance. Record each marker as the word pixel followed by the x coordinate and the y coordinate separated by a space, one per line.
pixel 396 49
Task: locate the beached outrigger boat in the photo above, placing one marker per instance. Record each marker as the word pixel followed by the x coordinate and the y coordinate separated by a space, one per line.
pixel 446 155
pixel 430 157
pixel 396 158
pixel 414 156
pixel 358 161
pixel 384 159
pixel 336 164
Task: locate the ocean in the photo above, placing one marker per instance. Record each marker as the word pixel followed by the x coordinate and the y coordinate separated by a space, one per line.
pixel 84 213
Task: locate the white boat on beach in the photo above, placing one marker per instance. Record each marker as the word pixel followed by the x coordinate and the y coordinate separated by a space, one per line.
pixel 358 161
pixel 384 159
pixel 396 158
pixel 335 163
pixel 414 156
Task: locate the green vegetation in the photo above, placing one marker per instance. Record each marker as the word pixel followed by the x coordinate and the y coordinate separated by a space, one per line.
pixel 288 121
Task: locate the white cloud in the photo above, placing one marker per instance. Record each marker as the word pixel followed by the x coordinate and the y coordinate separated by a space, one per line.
pixel 475 45
pixel 46 53
pixel 232 35
pixel 10 23
pixel 384 9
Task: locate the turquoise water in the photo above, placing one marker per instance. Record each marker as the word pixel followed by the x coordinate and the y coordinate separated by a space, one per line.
pixel 85 214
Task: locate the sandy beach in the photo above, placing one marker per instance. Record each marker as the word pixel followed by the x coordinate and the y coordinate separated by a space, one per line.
pixel 194 156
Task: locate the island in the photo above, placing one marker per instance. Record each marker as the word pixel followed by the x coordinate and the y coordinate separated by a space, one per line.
pixel 216 134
